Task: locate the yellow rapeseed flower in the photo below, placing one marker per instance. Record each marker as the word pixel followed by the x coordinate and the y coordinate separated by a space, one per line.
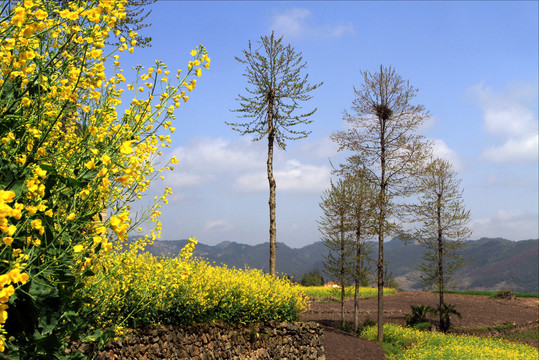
pixel 7 196
pixel 19 16
pixel 126 148
pixel 40 14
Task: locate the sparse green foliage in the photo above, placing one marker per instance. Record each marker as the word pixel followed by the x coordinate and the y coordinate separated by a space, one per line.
pixel 418 315
pixel 313 278
pixel 361 209
pixel 276 90
pixel 335 228
pixel 444 219
pixel 445 311
pixel 383 143
pixel 390 281
pixel 443 225
pixel 505 294
pixel 346 223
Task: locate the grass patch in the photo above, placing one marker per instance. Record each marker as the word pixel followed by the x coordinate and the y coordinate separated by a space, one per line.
pixel 322 292
pixel 523 336
pixel 488 293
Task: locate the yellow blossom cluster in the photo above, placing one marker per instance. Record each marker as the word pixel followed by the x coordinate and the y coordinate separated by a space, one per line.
pixel 70 163
pixel 13 276
pixel 127 285
pixel 182 290
pixel 428 345
pixel 349 291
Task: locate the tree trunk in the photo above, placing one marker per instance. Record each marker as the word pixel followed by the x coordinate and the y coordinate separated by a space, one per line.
pixel 357 277
pixel 381 224
pixel 343 289
pixel 381 280
pixel 272 186
pixel 440 258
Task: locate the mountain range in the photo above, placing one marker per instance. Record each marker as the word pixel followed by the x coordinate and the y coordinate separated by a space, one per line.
pixel 496 263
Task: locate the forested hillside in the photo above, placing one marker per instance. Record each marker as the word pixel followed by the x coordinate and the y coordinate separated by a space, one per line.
pixel 496 263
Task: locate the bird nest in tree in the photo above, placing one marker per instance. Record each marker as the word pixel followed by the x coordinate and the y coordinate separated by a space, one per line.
pixel 383 112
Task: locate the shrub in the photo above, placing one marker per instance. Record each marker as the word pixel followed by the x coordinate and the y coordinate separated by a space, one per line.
pixel 445 311
pixel 67 156
pixel 418 315
pixel 314 278
pixel 505 295
pixel 369 322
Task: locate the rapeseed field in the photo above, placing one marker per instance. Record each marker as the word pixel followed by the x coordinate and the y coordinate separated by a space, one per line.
pixel 146 289
pixel 324 291
pixel 422 345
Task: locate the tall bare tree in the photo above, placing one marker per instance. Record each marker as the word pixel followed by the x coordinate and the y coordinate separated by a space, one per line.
pixel 444 221
pixel 276 90
pixel 335 227
pixel 383 141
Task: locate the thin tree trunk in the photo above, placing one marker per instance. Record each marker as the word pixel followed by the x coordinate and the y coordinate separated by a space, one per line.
pixel 440 260
pixel 381 280
pixel 272 186
pixel 343 290
pixel 272 206
pixel 357 277
pixel 381 239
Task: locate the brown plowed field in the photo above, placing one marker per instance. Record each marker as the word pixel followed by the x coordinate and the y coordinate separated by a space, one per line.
pixel 478 313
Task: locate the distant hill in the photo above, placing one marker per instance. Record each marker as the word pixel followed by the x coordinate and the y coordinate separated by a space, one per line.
pixel 497 263
pixel 294 262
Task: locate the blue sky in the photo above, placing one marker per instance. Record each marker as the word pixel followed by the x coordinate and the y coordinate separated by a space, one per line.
pixel 475 65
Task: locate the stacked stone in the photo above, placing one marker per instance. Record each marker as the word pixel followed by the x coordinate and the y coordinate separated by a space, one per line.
pixel 270 340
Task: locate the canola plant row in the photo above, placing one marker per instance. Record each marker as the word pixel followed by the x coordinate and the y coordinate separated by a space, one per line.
pixel 146 289
pixel 324 291
pixel 422 345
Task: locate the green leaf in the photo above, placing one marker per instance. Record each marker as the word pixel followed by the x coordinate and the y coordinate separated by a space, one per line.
pixel 89 176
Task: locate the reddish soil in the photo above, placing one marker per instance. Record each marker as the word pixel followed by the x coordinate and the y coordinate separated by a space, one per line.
pixel 478 314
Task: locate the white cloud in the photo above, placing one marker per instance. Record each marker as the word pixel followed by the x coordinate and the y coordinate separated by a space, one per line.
pixel 182 179
pixel 524 149
pixel 294 23
pixel 209 160
pixel 291 23
pixel 240 165
pixel 512 180
pixel 219 153
pixel 441 150
pixel 319 149
pixel 510 115
pixel 508 224
pixel 427 125
pixel 218 225
pixel 292 176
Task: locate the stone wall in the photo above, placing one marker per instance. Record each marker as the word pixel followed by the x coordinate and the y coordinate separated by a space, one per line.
pixel 269 340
